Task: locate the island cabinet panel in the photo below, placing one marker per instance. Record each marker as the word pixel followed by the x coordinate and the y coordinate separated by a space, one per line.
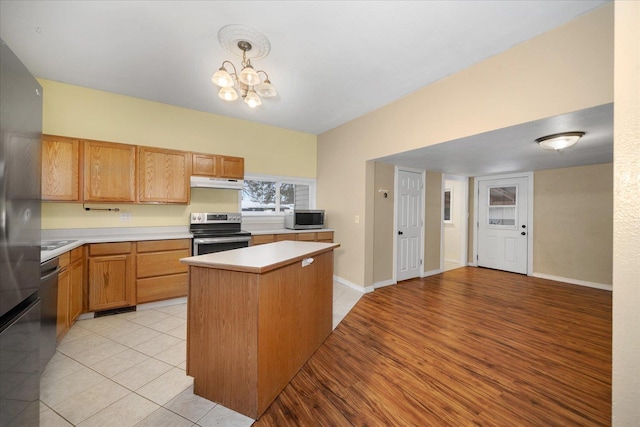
pixel 111 276
pixel 249 333
pixel 61 171
pixel 159 273
pixel 109 172
pixel 296 306
pixel 222 344
pixel 163 175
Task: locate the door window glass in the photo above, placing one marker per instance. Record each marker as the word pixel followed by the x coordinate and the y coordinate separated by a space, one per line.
pixel 502 206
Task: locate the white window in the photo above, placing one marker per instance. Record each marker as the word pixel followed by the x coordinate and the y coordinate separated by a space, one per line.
pixel 263 194
pixel 448 205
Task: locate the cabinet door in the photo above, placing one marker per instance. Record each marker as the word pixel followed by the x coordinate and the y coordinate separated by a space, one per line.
pixel 163 175
pixel 205 165
pixel 60 169
pixel 232 167
pixel 75 290
pixel 109 172
pixel 62 325
pixel 111 282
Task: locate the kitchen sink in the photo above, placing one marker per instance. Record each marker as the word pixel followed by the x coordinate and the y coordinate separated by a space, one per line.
pixel 51 245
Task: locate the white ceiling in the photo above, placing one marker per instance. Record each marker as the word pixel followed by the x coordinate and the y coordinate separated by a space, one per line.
pixel 331 61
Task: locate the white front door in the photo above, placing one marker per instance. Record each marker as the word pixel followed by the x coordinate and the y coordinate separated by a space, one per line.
pixel 409 224
pixel 503 227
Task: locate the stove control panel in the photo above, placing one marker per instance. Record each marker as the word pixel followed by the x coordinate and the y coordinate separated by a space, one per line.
pixel 215 217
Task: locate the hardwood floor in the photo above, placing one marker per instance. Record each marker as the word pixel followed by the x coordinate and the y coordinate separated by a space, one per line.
pixel 470 346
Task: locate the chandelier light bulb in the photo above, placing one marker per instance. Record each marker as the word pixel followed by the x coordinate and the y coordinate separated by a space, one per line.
pixel 249 76
pixel 228 94
pixel 266 89
pixel 252 99
pixel 222 78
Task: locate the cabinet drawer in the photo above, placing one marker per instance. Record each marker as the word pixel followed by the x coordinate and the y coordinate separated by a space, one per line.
pixel 325 236
pixel 64 260
pixel 309 237
pixel 152 264
pixel 262 238
pixel 76 254
pixel 286 236
pixel 163 245
pixel 159 288
pixel 109 248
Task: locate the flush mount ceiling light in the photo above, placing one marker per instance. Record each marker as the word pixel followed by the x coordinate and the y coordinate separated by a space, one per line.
pixel 559 141
pixel 247 43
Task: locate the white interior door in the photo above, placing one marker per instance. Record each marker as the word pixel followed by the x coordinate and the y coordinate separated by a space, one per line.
pixel 503 227
pixel 409 224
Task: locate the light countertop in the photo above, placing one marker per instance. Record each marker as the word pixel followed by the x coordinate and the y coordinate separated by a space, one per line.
pixel 81 236
pixel 260 258
pixel 286 231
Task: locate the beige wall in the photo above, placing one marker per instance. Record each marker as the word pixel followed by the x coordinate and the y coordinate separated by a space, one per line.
pixel 85 113
pixel 626 217
pixel 454 232
pixel 573 223
pixel 383 223
pixel 432 221
pixel 513 87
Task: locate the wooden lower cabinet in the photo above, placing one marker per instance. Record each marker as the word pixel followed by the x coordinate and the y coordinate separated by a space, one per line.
pixel 70 285
pixel 111 276
pixel 310 236
pixel 159 273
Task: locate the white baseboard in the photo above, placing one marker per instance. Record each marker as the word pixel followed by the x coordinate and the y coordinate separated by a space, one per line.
pixel 431 273
pixel 353 286
pixel 384 283
pixel 574 281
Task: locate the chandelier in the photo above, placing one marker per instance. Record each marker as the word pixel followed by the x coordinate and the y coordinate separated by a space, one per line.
pixel 248 83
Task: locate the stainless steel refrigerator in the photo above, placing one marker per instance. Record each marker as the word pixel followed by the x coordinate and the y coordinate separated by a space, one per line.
pixel 21 129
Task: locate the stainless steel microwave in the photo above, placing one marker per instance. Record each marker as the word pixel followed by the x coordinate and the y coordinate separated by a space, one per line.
pixel 304 219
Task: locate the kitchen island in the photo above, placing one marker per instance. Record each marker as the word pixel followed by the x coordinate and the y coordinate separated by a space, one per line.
pixel 255 316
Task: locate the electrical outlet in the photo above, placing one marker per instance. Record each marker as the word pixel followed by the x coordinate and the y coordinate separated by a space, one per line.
pixel 125 217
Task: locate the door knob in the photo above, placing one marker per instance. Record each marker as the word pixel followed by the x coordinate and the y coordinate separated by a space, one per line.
pixel 524 226
pixel 523 233
pixel 400 233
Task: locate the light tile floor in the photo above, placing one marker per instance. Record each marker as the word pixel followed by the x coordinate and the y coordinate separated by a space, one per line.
pixel 129 370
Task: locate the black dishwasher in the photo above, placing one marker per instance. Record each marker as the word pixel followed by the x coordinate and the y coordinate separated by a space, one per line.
pixel 48 310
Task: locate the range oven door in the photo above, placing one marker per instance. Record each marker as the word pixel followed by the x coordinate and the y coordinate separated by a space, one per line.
pixel 208 245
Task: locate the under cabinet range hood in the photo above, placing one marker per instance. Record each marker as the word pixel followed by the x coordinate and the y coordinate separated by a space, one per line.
pixel 206 182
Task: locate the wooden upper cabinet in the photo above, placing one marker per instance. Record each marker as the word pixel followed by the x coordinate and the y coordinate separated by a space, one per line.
pixel 109 172
pixel 163 175
pixel 231 167
pixel 205 165
pixel 218 166
pixel 61 169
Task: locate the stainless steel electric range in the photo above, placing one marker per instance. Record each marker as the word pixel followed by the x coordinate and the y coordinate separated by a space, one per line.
pixel 217 231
